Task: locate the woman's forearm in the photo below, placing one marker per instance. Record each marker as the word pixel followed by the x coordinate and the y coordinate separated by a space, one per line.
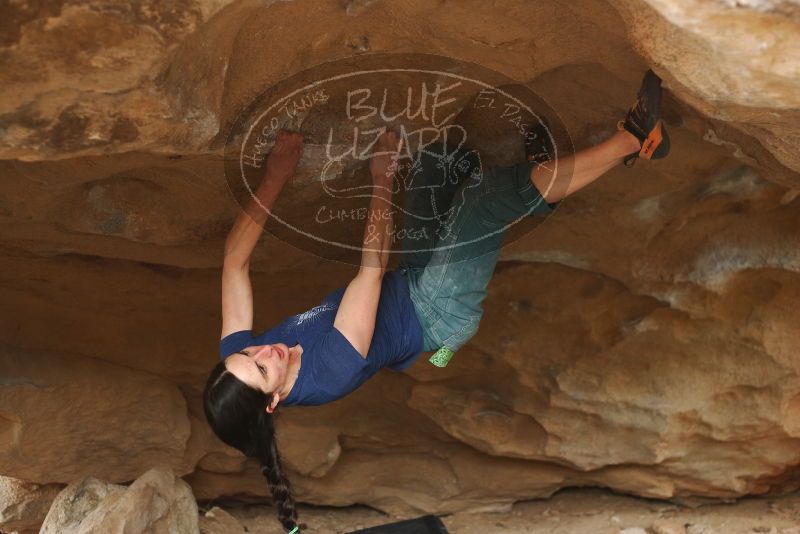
pixel 280 166
pixel 358 308
pixel 249 224
pixel 379 230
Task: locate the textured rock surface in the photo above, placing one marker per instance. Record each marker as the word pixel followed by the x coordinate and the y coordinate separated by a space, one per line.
pixel 157 502
pixel 23 506
pixel 568 512
pixel 218 521
pixel 733 61
pixel 65 416
pixel 643 338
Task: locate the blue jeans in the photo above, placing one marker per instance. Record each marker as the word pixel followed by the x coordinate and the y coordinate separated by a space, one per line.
pixel 458 216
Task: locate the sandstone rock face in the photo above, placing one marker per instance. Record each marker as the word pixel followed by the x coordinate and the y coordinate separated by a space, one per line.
pixel 64 51
pixel 77 501
pixel 642 338
pixel 218 521
pixel 157 502
pixel 23 506
pixel 65 416
pixel 735 62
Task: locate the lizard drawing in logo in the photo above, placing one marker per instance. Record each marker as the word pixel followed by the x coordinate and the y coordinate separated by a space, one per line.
pixel 433 179
pixel 436 188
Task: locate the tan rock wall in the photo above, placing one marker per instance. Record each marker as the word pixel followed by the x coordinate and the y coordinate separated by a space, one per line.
pixel 643 338
pixel 65 416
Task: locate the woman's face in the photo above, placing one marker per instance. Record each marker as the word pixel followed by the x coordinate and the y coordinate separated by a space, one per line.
pixel 262 367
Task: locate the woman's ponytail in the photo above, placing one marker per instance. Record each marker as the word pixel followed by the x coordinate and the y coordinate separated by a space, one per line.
pixel 271 468
pixel 237 414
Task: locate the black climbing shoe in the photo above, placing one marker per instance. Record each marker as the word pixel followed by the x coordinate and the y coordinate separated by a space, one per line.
pixel 644 122
pixel 538 143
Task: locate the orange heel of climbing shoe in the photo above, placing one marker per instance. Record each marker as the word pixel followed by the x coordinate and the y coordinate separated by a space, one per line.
pixel 644 122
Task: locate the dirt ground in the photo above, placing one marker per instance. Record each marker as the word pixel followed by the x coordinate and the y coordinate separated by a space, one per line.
pixel 584 511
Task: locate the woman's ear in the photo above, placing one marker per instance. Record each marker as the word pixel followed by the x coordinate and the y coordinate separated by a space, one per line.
pixel 272 405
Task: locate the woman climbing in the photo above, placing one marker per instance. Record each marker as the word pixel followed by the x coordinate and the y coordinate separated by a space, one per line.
pixel 386 318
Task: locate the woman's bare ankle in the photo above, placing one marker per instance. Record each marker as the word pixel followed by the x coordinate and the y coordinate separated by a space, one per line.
pixel 629 142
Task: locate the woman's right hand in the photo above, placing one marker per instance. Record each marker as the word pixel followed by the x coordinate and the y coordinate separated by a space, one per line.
pixel 282 159
pixel 384 161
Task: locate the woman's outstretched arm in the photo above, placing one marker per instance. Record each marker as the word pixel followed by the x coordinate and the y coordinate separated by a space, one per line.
pixel 355 318
pixel 237 293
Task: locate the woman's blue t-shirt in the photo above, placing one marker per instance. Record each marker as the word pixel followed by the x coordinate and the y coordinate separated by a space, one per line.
pixel 330 366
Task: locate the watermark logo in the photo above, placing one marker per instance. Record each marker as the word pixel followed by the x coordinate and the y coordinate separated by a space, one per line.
pixel 470 139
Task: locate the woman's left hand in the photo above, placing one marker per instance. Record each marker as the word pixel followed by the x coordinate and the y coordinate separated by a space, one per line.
pixel 284 156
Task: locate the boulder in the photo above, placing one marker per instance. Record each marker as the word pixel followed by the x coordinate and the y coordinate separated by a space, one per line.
pixel 67 416
pixel 24 505
pixel 157 502
pixel 218 521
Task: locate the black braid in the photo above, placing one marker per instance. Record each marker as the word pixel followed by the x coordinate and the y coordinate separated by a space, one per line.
pixel 237 414
pixel 272 470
